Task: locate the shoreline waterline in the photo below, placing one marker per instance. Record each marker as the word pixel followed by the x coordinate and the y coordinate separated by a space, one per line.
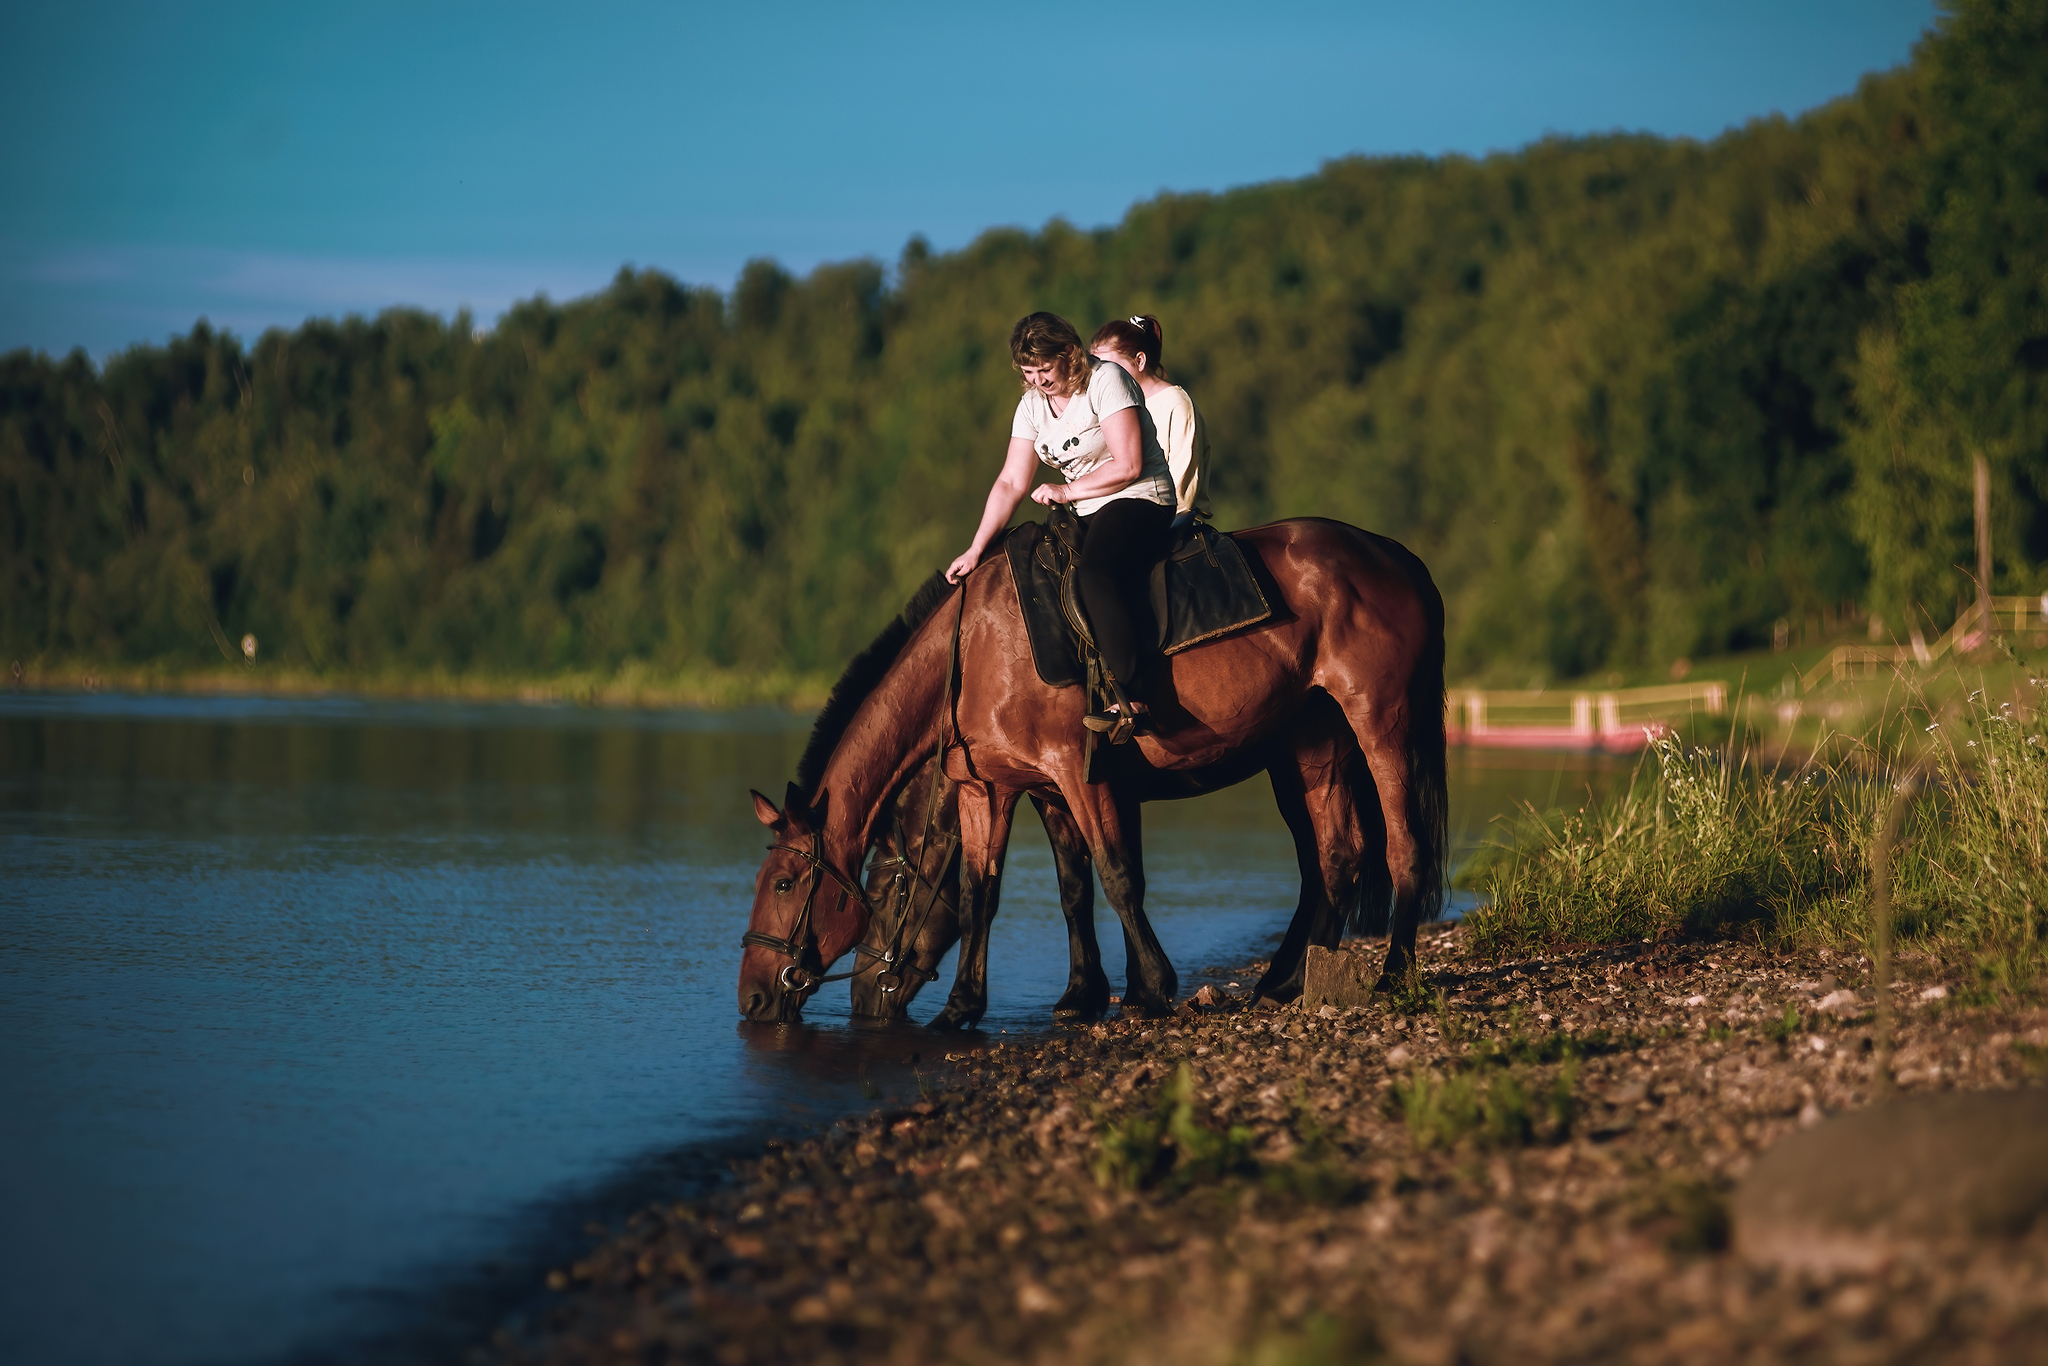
pixel 1306 1185
pixel 630 689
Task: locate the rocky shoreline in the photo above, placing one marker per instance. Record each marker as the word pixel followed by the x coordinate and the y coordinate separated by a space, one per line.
pixel 1510 1161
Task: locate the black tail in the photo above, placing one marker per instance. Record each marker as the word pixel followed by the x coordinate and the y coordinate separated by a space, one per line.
pixel 1429 817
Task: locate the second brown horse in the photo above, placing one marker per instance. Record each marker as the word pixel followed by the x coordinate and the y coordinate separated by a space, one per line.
pixel 1323 793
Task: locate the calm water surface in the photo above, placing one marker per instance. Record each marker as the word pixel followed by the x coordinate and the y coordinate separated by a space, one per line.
pixel 311 1006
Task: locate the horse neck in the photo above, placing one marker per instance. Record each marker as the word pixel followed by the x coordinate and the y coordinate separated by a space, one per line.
pixel 895 729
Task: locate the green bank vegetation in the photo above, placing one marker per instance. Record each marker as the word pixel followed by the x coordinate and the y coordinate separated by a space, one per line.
pixel 1632 398
pixel 1733 840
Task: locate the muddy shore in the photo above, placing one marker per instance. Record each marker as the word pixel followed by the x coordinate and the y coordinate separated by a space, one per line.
pixel 1526 1160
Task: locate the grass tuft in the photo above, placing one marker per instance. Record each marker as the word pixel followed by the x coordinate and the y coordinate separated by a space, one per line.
pixel 1705 842
pixel 1505 1109
pixel 1168 1145
pixel 1785 1026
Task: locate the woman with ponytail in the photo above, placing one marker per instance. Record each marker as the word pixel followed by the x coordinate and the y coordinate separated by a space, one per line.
pixel 1135 345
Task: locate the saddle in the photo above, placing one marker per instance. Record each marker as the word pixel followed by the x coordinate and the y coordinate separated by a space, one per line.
pixel 1204 588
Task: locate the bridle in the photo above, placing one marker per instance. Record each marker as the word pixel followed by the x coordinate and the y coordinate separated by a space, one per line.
pixel 795 977
pixel 892 957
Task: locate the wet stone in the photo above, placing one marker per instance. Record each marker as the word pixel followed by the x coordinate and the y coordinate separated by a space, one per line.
pixel 1340 977
pixel 1849 1193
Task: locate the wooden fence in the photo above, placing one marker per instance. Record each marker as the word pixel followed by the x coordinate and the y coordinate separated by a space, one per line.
pixel 1617 721
pixel 1970 631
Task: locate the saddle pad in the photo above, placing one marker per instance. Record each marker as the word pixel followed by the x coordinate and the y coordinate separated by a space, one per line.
pixel 1204 588
pixel 1037 568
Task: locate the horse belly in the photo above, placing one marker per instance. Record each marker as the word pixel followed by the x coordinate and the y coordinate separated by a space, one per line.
pixel 1225 696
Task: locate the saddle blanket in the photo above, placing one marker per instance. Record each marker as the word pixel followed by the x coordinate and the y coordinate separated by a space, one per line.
pixel 1204 588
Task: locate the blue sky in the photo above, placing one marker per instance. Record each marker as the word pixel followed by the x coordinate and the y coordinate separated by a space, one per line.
pixel 259 163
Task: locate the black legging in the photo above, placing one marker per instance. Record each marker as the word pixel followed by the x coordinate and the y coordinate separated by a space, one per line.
pixel 1123 541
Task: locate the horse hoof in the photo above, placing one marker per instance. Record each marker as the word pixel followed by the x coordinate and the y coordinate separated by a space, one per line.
pixel 1080 1005
pixel 950 1019
pixel 1135 1009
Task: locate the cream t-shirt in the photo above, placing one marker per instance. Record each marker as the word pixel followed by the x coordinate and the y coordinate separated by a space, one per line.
pixel 1186 443
pixel 1072 442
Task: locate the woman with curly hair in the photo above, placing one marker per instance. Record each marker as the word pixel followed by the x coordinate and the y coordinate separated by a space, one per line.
pixel 1086 418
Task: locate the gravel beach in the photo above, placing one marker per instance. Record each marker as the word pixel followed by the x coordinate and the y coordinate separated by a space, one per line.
pixel 1515 1161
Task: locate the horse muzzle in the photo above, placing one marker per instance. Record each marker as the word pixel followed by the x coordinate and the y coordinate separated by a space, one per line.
pixel 780 1000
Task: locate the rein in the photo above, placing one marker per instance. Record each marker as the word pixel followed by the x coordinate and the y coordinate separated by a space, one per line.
pixel 794 976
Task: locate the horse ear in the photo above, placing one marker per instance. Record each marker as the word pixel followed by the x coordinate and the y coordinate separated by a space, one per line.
pixel 796 809
pixel 765 812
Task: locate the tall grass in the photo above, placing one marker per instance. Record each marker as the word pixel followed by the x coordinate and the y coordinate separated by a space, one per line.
pixel 1705 842
pixel 1696 841
pixel 1979 878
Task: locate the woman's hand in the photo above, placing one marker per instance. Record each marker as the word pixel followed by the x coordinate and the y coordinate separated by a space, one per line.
pixel 963 566
pixel 1046 495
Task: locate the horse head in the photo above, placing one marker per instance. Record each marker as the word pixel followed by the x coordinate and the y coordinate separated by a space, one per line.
pixel 806 913
pixel 914 886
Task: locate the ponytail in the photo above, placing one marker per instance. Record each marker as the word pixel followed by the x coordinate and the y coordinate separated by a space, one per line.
pixel 1135 337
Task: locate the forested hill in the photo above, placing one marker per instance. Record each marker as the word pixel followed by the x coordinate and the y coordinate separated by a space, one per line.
pixel 1630 398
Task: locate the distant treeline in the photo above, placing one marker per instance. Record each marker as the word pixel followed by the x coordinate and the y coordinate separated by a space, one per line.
pixel 1630 398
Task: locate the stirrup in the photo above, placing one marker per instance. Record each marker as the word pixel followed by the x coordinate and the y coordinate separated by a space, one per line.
pixel 1099 721
pixel 1126 727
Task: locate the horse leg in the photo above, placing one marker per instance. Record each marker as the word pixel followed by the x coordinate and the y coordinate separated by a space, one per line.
pixel 1380 736
pixel 1326 871
pixel 1313 791
pixel 1087 994
pixel 1109 822
pixel 984 840
pixel 1375 883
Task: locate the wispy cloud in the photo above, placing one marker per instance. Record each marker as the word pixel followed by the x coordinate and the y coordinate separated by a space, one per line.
pixel 106 298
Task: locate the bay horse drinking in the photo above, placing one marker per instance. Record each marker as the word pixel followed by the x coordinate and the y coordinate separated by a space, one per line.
pixel 1356 617
pixel 1323 793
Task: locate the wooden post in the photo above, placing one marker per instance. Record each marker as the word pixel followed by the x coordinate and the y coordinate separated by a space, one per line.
pixel 1984 616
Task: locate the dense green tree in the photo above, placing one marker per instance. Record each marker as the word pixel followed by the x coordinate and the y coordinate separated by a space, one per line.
pixel 1963 371
pixel 1631 398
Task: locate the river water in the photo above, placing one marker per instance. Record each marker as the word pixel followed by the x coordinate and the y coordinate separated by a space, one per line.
pixel 323 1022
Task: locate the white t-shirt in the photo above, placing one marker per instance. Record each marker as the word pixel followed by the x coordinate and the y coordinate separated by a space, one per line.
pixel 1186 443
pixel 1073 443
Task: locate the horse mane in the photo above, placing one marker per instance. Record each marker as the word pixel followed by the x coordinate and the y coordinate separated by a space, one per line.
pixel 860 679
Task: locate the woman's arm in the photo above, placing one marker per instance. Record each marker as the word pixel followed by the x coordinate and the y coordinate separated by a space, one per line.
pixel 1126 441
pixel 1178 437
pixel 1003 498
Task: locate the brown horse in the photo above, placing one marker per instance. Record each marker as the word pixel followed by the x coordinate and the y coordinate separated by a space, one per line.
pixel 1323 793
pixel 1356 617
